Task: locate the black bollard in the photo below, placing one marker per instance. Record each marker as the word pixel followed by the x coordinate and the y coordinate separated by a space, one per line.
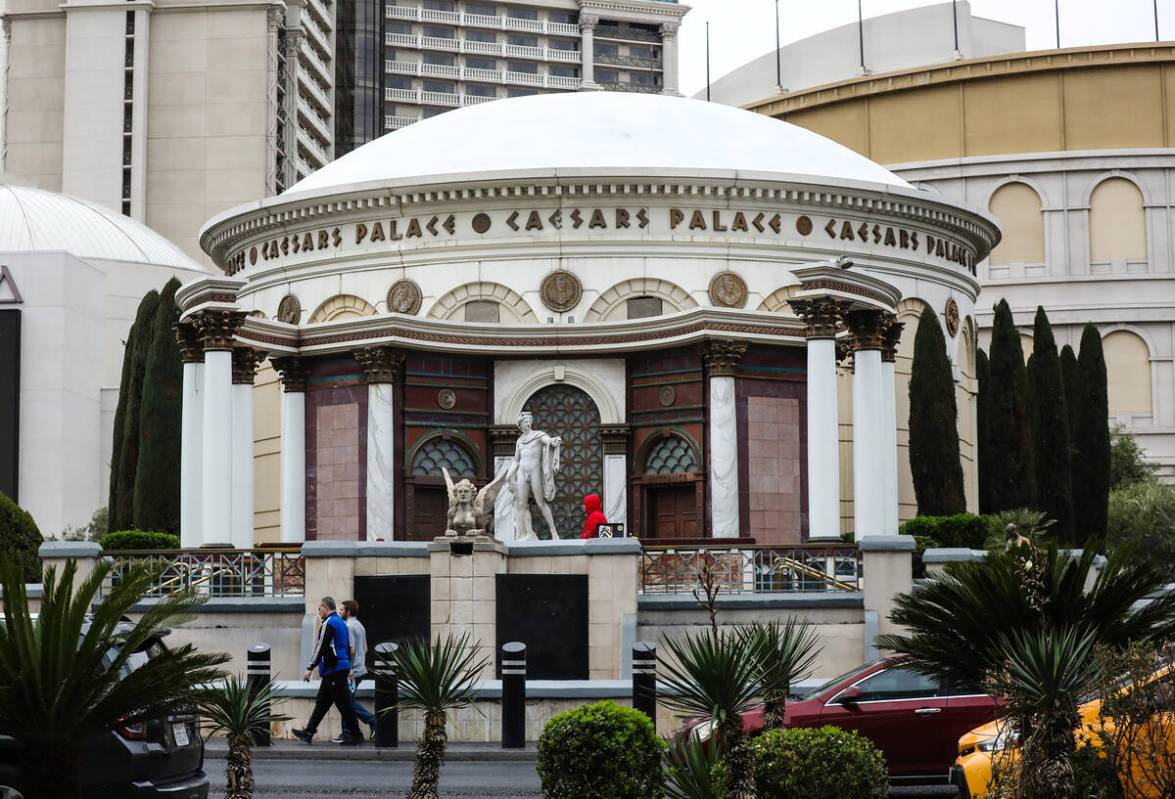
pixel 644 679
pixel 257 673
pixel 387 689
pixel 513 695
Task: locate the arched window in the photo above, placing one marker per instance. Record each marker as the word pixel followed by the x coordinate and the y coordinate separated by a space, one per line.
pixel 1128 371
pixel 444 452
pixel 488 303
pixel 671 455
pixel 1018 209
pixel 342 306
pixel 639 298
pixel 424 487
pixel 1117 222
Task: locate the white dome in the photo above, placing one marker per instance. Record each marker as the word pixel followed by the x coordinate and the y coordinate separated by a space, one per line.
pixel 33 220
pixel 594 132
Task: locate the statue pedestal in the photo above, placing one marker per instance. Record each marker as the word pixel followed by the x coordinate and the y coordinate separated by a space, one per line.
pixel 463 588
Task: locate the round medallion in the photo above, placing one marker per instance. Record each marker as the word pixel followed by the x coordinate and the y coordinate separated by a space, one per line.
pixel 481 223
pixel 803 225
pixel 289 310
pixel 668 396
pixel 561 291
pixel 728 290
pixel 404 297
pixel 952 315
pixel 446 399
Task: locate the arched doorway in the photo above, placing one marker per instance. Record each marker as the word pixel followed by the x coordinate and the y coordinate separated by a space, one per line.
pixel 568 412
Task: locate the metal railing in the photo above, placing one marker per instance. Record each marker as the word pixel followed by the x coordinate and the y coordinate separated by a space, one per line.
pixel 751 569
pixel 615 60
pixel 218 572
pixel 623 86
pixel 626 34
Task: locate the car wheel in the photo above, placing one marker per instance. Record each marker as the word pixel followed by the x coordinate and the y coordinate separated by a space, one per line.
pixel 9 793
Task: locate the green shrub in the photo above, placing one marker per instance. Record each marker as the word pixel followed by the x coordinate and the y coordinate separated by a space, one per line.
pixel 825 761
pixel 1142 516
pixel 958 530
pixel 600 751
pixel 20 539
pixel 138 539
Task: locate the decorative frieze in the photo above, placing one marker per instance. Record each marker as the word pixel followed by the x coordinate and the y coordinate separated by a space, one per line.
pixel 502 439
pixel 245 363
pixel 292 371
pixel 891 336
pixel 381 364
pixel 190 341
pixel 217 328
pixel 722 357
pixel 614 438
pixel 868 328
pixel 822 317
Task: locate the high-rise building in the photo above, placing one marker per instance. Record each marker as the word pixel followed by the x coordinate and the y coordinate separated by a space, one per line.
pixel 436 55
pixel 165 111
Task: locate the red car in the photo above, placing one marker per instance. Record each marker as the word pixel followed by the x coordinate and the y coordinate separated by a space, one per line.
pixel 914 720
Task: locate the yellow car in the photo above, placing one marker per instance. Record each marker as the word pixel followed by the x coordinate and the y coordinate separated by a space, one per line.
pixel 972 772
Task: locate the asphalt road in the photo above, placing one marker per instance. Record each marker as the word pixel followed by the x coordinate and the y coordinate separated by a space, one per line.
pixel 369 780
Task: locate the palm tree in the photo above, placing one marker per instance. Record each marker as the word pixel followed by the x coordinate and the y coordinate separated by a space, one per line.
pixel 1045 674
pixel 239 708
pixel 66 675
pixel 955 622
pixel 785 653
pixel 692 770
pixel 435 679
pixel 714 674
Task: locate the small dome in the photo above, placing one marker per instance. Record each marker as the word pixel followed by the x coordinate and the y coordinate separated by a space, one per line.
pixel 593 133
pixel 34 220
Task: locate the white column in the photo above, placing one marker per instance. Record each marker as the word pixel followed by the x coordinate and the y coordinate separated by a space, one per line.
pixel 293 514
pixel 721 359
pixel 616 488
pixel 216 480
pixel 587 26
pixel 869 463
pixel 823 442
pixel 191 445
pixel 669 58
pixel 503 506
pixel 242 535
pixel 889 422
pixel 380 462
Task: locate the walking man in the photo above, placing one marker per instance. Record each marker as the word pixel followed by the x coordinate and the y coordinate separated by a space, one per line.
pixel 332 656
pixel 358 636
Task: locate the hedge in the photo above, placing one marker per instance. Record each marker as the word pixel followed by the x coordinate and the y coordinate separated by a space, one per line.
pixel 19 538
pixel 600 751
pixel 138 540
pixel 965 530
pixel 825 761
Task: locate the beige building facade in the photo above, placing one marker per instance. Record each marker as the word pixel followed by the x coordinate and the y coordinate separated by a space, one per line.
pixel 167 112
pixel 1071 151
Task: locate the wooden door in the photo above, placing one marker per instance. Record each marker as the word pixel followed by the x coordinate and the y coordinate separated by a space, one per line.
pixel 673 511
pixel 427 511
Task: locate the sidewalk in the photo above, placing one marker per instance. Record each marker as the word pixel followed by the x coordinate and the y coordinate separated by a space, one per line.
pixel 325 750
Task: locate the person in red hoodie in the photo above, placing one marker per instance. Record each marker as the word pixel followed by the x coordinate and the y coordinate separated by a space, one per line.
pixel 595 515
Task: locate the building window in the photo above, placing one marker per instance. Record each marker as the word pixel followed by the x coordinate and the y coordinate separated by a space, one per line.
pixel 485 9
pixel 482 311
pixel 440 32
pixel 529 67
pixel 522 13
pixel 671 455
pixel 607 76
pixel 523 40
pixel 440 5
pixel 432 111
pixel 644 307
pixel 607 49
pixel 564 17
pixel 477 62
pixel 481 90
pixel 641 78
pixel 645 53
pixel 481 36
pixel 438 453
pixel 515 92
pixel 564 71
pixel 442 86
pixel 440 59
pixel 399 83
pixel 569 45
pixel 399 27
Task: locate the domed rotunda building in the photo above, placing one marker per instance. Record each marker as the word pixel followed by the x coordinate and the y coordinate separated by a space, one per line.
pixel 666 284
pixel 72 274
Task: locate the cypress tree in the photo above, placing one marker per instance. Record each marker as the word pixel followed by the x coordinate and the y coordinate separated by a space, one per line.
pixel 982 445
pixel 1012 472
pixel 1070 377
pixel 1091 472
pixel 157 476
pixel 1050 429
pixel 934 439
pixel 126 446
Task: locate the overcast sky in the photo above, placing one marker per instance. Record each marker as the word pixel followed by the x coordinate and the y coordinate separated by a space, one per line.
pixel 743 29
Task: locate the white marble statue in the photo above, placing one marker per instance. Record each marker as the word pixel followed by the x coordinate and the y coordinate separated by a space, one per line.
pixel 471 512
pixel 531 474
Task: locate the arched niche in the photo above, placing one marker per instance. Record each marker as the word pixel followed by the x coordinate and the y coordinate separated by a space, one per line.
pixel 1017 206
pixel 1128 373
pixel 512 308
pixel 340 307
pixel 1117 221
pixel 612 305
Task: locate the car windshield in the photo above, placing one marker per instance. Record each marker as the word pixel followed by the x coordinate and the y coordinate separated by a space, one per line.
pixel 811 692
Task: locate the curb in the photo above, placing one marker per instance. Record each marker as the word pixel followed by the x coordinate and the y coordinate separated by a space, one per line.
pixel 406 752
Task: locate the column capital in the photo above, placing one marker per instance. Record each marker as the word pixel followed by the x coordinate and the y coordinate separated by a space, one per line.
pixel 891 335
pixel 588 22
pixel 722 357
pixel 245 363
pixel 292 370
pixel 381 364
pixel 218 327
pixel 845 347
pixel 868 329
pixel 669 29
pixel 822 316
pixel 614 438
pixel 191 343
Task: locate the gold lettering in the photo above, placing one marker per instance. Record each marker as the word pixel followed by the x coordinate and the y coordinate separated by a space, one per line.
pixel 740 222
pixel 323 239
pixel 830 228
pixel 360 232
pixel 903 239
pixel 295 245
pixel 534 221
pixel 697 221
pixel 676 217
pixel 914 241
pixel 285 245
pixel 393 233
pixel 336 238
pixel 598 220
pixel 890 239
pixel 718 226
pixel 621 218
pixel 939 249
pixel 377 231
pixel 414 231
pixel 308 241
pixel 846 231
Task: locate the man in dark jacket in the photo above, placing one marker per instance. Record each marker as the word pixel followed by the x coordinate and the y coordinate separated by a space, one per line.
pixel 332 656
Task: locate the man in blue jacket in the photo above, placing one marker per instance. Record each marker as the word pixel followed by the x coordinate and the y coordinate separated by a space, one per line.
pixel 332 656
